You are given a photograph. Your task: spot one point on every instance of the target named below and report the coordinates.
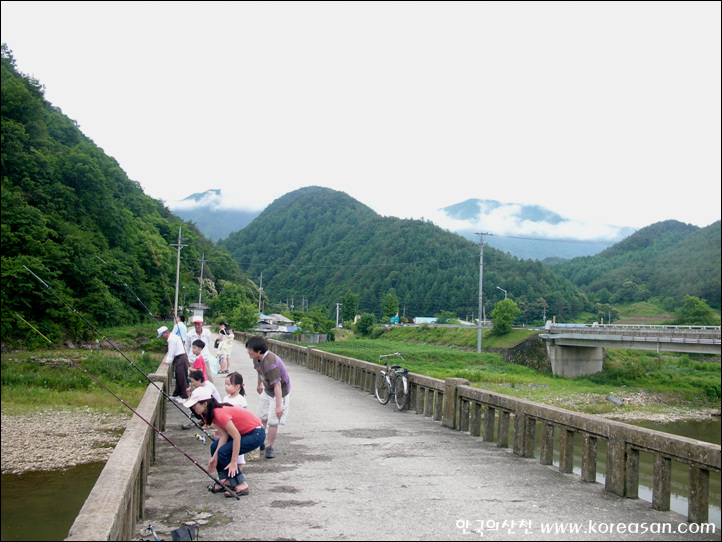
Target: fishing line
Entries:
(117, 350)
(77, 364)
(162, 277)
(129, 289)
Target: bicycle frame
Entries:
(388, 379)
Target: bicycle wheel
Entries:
(383, 388)
(401, 392)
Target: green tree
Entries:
(390, 305)
(503, 315)
(243, 316)
(365, 324)
(349, 306)
(695, 312)
(606, 313)
(314, 320)
(230, 297)
(446, 317)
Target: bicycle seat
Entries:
(396, 366)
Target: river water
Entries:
(43, 505)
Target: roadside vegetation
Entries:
(644, 381)
(45, 377)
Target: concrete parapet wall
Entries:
(116, 501)
(488, 415)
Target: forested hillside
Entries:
(318, 244)
(667, 261)
(65, 204)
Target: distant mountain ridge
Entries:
(530, 231)
(320, 244)
(217, 222)
(667, 261)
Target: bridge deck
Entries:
(348, 468)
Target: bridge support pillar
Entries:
(574, 361)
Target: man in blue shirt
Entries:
(180, 328)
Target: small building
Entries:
(280, 320)
(425, 320)
(199, 309)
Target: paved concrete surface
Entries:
(348, 468)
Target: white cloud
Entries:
(506, 219)
(214, 199)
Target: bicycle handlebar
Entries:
(390, 355)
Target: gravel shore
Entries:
(57, 439)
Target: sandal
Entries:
(214, 488)
(239, 492)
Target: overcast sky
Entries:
(602, 112)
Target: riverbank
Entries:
(52, 439)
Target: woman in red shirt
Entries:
(240, 431)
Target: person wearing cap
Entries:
(240, 431)
(194, 334)
(225, 345)
(177, 357)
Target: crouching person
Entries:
(240, 432)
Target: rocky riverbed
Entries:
(56, 439)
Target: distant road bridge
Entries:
(578, 349)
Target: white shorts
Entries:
(267, 409)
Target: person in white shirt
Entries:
(195, 333)
(177, 356)
(237, 396)
(198, 381)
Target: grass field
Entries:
(661, 380)
(46, 378)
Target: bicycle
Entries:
(392, 381)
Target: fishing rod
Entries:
(154, 428)
(119, 352)
(136, 296)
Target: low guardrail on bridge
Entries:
(488, 415)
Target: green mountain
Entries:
(318, 244)
(667, 261)
(66, 205)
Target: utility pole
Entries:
(177, 271)
(260, 290)
(200, 290)
(337, 308)
(481, 291)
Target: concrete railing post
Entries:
(450, 395)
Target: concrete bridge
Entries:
(450, 468)
(577, 349)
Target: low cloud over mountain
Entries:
(214, 214)
(510, 221)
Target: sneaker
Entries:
(263, 447)
(270, 454)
